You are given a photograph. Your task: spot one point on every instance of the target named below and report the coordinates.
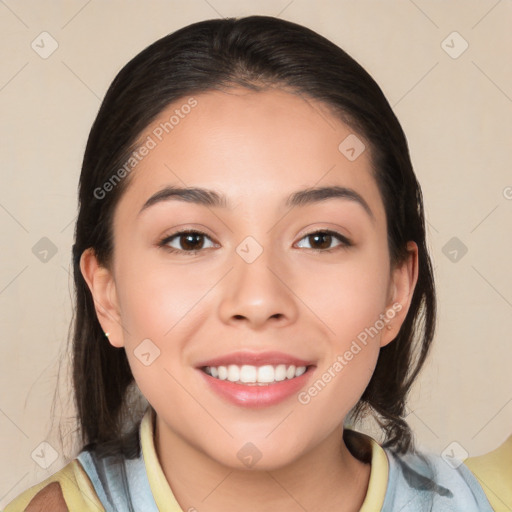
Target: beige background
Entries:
(455, 111)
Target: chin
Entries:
(263, 456)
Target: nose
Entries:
(258, 294)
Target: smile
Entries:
(255, 375)
(268, 385)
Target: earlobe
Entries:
(103, 290)
(402, 285)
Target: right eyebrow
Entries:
(319, 194)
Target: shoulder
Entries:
(49, 498)
(422, 480)
(67, 489)
(494, 473)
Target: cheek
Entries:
(155, 299)
(349, 300)
(349, 296)
(339, 382)
(163, 307)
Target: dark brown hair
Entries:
(256, 52)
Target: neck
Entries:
(326, 478)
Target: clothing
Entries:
(397, 482)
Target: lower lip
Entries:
(255, 395)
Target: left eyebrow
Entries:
(206, 197)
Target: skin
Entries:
(257, 148)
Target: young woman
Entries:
(250, 263)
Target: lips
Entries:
(261, 395)
(255, 359)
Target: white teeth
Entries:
(223, 372)
(266, 373)
(300, 370)
(249, 374)
(280, 372)
(233, 373)
(290, 373)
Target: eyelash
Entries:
(345, 242)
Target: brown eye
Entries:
(321, 241)
(185, 241)
(191, 241)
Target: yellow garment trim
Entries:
(494, 473)
(379, 474)
(77, 489)
(162, 493)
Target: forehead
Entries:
(250, 145)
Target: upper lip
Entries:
(255, 359)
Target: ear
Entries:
(402, 284)
(102, 285)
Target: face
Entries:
(257, 281)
